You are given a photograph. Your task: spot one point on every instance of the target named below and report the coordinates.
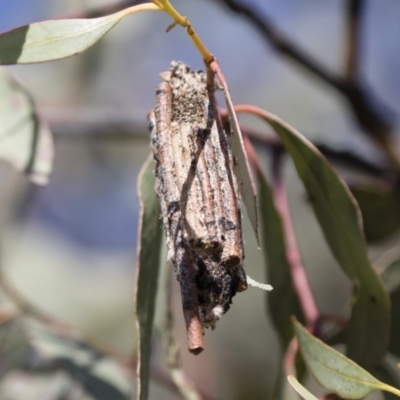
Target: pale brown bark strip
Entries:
(199, 199)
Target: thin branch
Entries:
(97, 123)
(299, 276)
(374, 117)
(351, 159)
(355, 9)
(346, 158)
(280, 43)
(104, 124)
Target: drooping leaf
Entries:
(380, 209)
(300, 389)
(241, 164)
(14, 345)
(31, 384)
(147, 271)
(52, 40)
(25, 140)
(95, 371)
(340, 220)
(334, 371)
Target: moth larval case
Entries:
(199, 198)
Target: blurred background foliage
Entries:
(69, 248)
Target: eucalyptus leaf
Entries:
(25, 140)
(340, 220)
(55, 39)
(241, 165)
(147, 272)
(334, 371)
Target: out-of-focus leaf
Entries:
(300, 389)
(282, 301)
(380, 209)
(25, 141)
(147, 271)
(241, 164)
(99, 375)
(340, 220)
(334, 371)
(55, 385)
(14, 345)
(52, 40)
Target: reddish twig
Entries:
(298, 272)
(299, 275)
(289, 359)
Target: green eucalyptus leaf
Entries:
(340, 220)
(300, 389)
(52, 40)
(334, 371)
(241, 165)
(147, 272)
(380, 209)
(25, 141)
